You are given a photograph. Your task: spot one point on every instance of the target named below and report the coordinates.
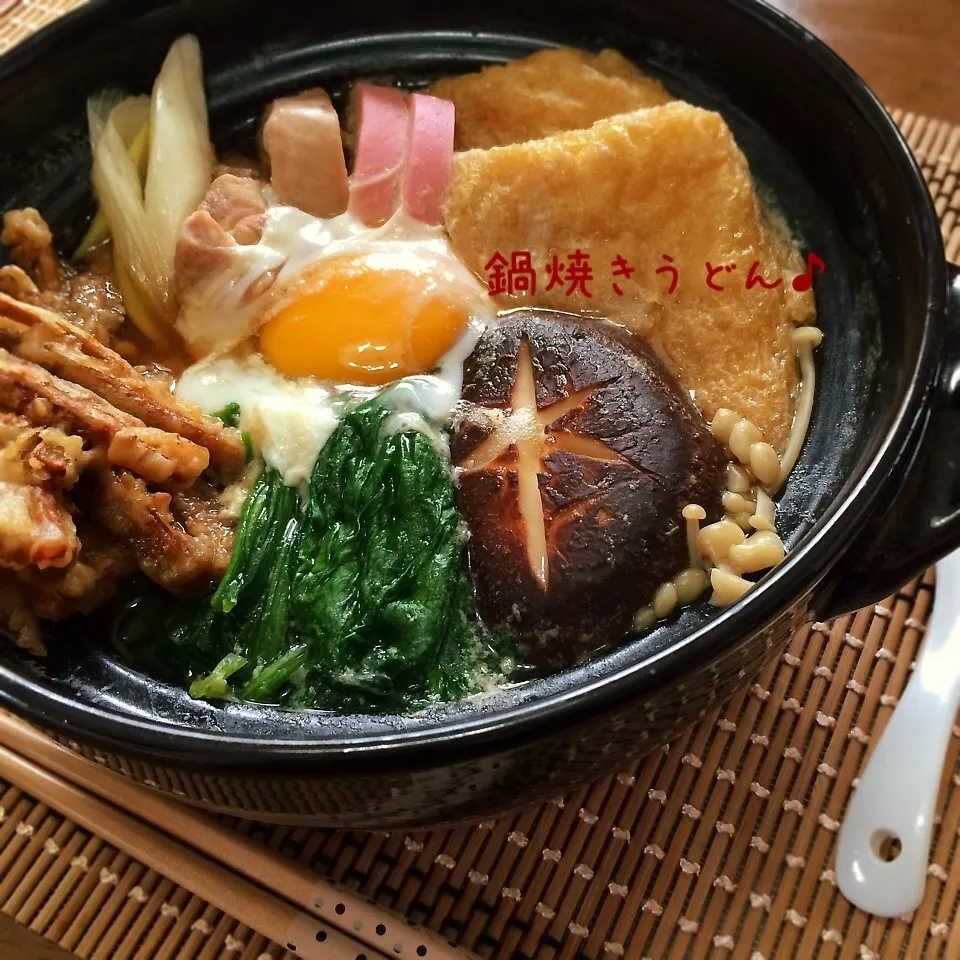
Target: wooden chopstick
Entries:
(261, 911)
(381, 932)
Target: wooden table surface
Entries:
(908, 51)
(19, 943)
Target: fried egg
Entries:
(338, 300)
(322, 314)
(287, 421)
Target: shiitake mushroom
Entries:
(576, 451)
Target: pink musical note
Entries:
(804, 281)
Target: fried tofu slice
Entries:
(671, 181)
(545, 93)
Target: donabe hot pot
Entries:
(873, 499)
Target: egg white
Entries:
(219, 311)
(289, 419)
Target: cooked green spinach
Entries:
(354, 600)
(230, 414)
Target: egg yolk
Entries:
(367, 320)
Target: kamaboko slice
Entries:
(380, 125)
(426, 174)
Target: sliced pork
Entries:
(177, 539)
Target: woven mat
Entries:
(719, 845)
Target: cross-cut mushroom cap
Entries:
(574, 505)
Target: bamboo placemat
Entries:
(719, 845)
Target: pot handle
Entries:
(924, 523)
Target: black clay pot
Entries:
(872, 501)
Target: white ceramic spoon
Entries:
(897, 794)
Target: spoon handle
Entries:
(896, 799)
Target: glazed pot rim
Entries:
(804, 567)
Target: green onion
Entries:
(214, 685)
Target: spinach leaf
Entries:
(267, 511)
(247, 445)
(230, 414)
(355, 600)
(243, 625)
(386, 604)
(214, 685)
